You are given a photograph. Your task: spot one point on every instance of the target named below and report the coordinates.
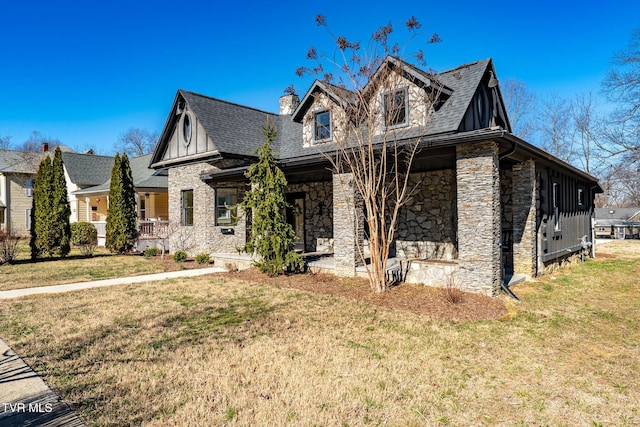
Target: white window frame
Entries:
(394, 92)
(28, 187)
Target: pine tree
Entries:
(42, 227)
(272, 238)
(60, 209)
(121, 218)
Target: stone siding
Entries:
(203, 235)
(348, 225)
(478, 206)
(524, 218)
(318, 215)
(427, 224)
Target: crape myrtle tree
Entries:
(122, 227)
(367, 150)
(271, 237)
(50, 212)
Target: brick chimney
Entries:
(289, 103)
(45, 147)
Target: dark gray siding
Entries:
(566, 209)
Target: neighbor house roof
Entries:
(617, 214)
(143, 177)
(19, 162)
(87, 170)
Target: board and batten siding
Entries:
(565, 214)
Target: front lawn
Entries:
(24, 273)
(219, 350)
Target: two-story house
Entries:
(487, 204)
(17, 175)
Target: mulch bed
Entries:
(418, 299)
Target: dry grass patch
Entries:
(218, 350)
(25, 273)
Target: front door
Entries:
(295, 217)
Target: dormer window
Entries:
(321, 126)
(396, 108)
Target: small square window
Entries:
(226, 201)
(396, 107)
(187, 207)
(321, 126)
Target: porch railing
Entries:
(152, 228)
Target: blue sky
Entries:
(86, 71)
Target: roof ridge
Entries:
(227, 102)
(469, 64)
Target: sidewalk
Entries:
(15, 293)
(25, 399)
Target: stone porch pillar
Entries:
(478, 203)
(524, 218)
(348, 225)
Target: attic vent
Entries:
(186, 129)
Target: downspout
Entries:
(503, 282)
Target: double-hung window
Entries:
(187, 207)
(226, 200)
(321, 126)
(396, 108)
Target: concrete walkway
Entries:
(15, 293)
(25, 399)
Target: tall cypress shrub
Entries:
(272, 238)
(122, 216)
(42, 227)
(60, 209)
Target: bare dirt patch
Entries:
(412, 298)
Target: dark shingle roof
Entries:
(234, 128)
(237, 130)
(86, 170)
(463, 82)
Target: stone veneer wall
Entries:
(525, 210)
(318, 215)
(203, 235)
(427, 224)
(478, 198)
(348, 225)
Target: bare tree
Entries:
(586, 124)
(622, 85)
(371, 161)
(137, 142)
(5, 142)
(35, 142)
(521, 106)
(554, 126)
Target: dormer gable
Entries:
(201, 128)
(486, 108)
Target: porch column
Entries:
(478, 203)
(524, 218)
(348, 225)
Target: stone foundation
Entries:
(431, 273)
